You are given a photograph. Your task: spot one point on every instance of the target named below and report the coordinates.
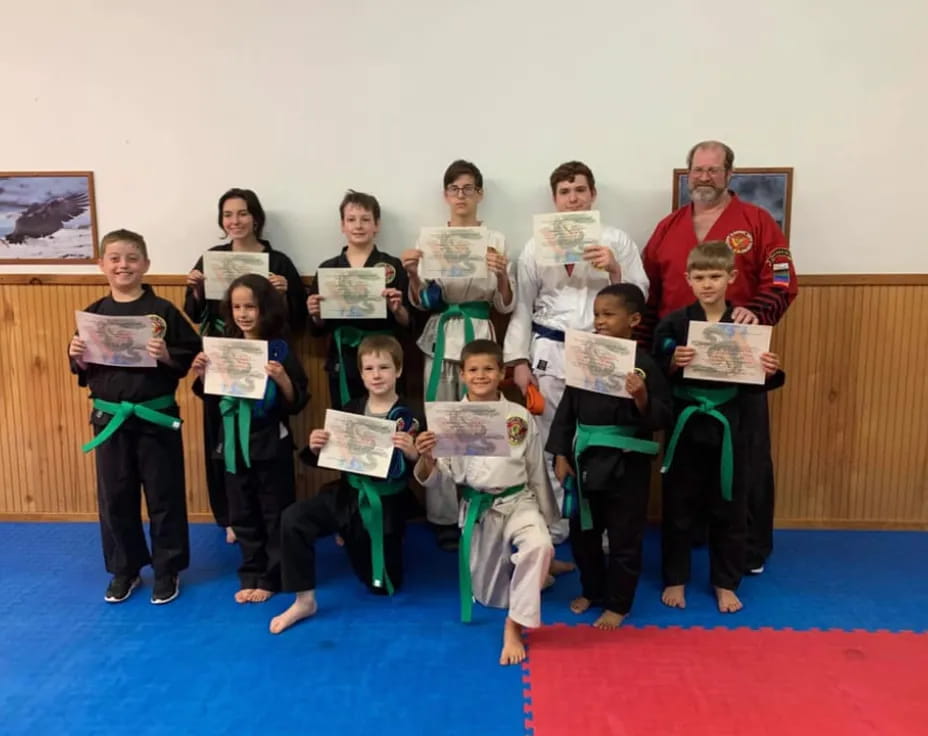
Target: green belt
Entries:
(708, 400)
(232, 407)
(466, 311)
(601, 435)
(370, 491)
(122, 410)
(478, 503)
(350, 336)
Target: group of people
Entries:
(579, 464)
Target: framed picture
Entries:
(770, 188)
(47, 217)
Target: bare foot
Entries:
(513, 649)
(303, 607)
(559, 567)
(230, 535)
(259, 595)
(548, 582)
(339, 541)
(580, 605)
(728, 601)
(673, 596)
(244, 595)
(609, 620)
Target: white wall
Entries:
(171, 102)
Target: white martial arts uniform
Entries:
(441, 502)
(500, 576)
(550, 297)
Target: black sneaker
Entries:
(121, 587)
(167, 588)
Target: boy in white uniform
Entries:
(460, 312)
(552, 299)
(507, 503)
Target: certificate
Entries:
(561, 237)
(352, 293)
(119, 341)
(597, 362)
(453, 252)
(468, 428)
(727, 352)
(236, 367)
(357, 444)
(221, 268)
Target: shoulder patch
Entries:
(740, 241)
(779, 255)
(390, 271)
(158, 326)
(516, 430)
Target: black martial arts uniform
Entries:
(342, 367)
(694, 486)
(260, 486)
(614, 481)
(337, 509)
(142, 454)
(206, 314)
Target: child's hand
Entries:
(636, 386)
(394, 299)
(562, 468)
(195, 281)
(497, 262)
(425, 443)
(278, 282)
(276, 371)
(404, 442)
(199, 365)
(683, 356)
(314, 305)
(158, 349)
(77, 348)
(770, 362)
(410, 258)
(318, 439)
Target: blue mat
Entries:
(70, 663)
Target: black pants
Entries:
(692, 490)
(132, 460)
(215, 468)
(612, 579)
(329, 513)
(257, 498)
(755, 423)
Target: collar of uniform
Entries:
(372, 260)
(695, 312)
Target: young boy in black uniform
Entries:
(372, 537)
(360, 215)
(704, 459)
(136, 425)
(603, 451)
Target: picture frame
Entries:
(767, 187)
(48, 217)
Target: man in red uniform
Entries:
(765, 287)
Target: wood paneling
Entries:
(850, 428)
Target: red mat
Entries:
(695, 682)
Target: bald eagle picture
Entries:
(46, 217)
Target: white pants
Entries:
(441, 501)
(502, 577)
(552, 388)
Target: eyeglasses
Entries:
(711, 171)
(468, 190)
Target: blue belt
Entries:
(548, 332)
